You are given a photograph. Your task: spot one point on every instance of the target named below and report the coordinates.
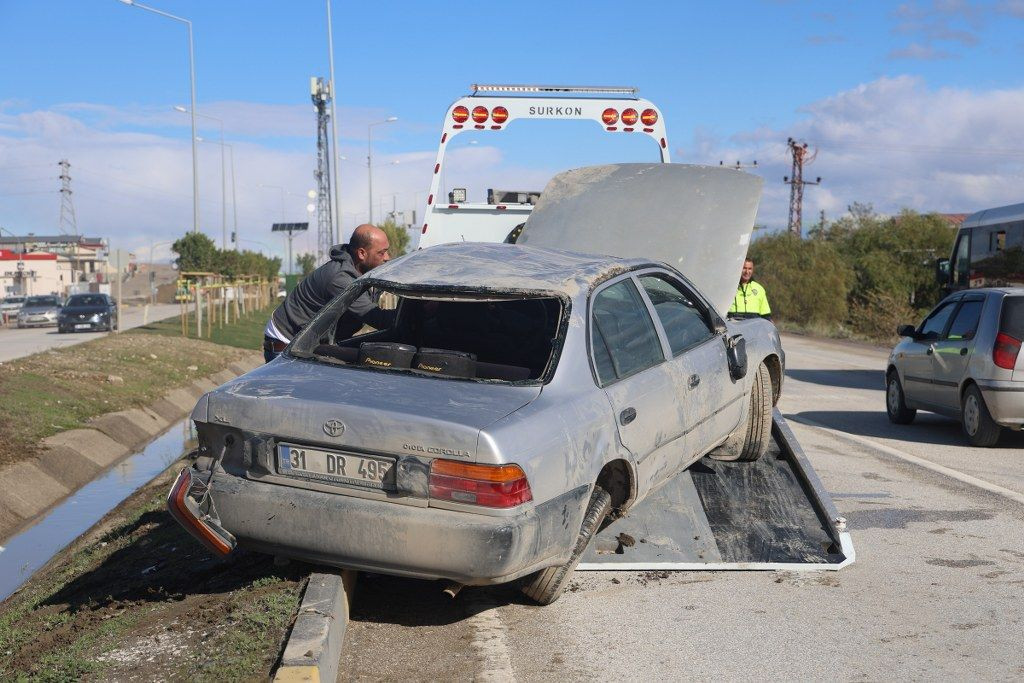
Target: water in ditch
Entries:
(25, 553)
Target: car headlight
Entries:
(95, 317)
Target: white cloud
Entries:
(894, 143)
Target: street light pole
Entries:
(192, 92)
(369, 160)
(223, 178)
(334, 132)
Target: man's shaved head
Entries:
(369, 247)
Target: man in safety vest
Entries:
(751, 300)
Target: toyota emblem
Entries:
(334, 428)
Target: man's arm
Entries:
(369, 313)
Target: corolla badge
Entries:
(334, 428)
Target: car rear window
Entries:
(1012, 320)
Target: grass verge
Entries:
(137, 598)
(244, 333)
(61, 389)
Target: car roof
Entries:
(1012, 291)
(502, 267)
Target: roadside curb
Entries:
(68, 460)
(312, 651)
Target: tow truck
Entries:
(773, 514)
(492, 108)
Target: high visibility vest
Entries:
(750, 298)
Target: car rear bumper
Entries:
(392, 538)
(1005, 402)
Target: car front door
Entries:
(630, 365)
(701, 368)
(952, 353)
(917, 356)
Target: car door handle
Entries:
(627, 416)
(694, 380)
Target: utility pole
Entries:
(325, 232)
(738, 165)
(67, 207)
(796, 184)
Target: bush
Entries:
(877, 315)
(807, 281)
(398, 237)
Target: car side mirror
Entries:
(736, 351)
(907, 331)
(942, 270)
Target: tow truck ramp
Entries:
(773, 514)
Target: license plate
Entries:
(82, 327)
(334, 467)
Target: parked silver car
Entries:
(963, 361)
(523, 395)
(39, 311)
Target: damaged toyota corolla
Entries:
(525, 393)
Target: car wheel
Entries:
(547, 585)
(895, 405)
(978, 424)
(750, 440)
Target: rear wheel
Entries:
(750, 440)
(895, 403)
(978, 424)
(548, 584)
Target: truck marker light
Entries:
(1004, 353)
(499, 115)
(610, 116)
(630, 117)
(480, 114)
(497, 486)
(649, 117)
(460, 114)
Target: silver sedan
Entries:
(963, 361)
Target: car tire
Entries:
(895, 402)
(545, 586)
(751, 438)
(980, 428)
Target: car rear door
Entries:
(700, 366)
(951, 354)
(630, 365)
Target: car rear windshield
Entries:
(42, 301)
(483, 337)
(87, 300)
(1012, 321)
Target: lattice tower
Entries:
(68, 223)
(321, 94)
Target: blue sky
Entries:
(910, 104)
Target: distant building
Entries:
(55, 264)
(955, 220)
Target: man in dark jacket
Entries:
(366, 249)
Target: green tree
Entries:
(196, 252)
(306, 263)
(806, 280)
(398, 237)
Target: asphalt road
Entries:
(935, 591)
(15, 343)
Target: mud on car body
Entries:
(523, 395)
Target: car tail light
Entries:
(460, 114)
(499, 115)
(649, 117)
(1004, 353)
(610, 116)
(188, 512)
(629, 117)
(479, 114)
(494, 486)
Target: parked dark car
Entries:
(88, 312)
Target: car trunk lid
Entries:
(381, 411)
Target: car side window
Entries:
(934, 325)
(622, 333)
(684, 323)
(965, 323)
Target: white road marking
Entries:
(922, 462)
(489, 642)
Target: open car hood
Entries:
(695, 218)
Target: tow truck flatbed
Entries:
(773, 514)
